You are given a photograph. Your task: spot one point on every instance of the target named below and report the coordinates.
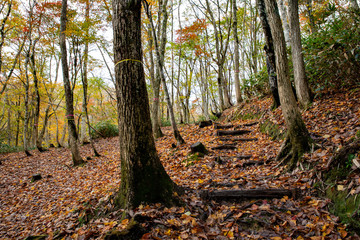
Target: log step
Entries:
(231, 133)
(223, 126)
(249, 193)
(238, 139)
(225, 146)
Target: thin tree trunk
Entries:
(9, 138)
(236, 49)
(73, 136)
(301, 83)
(296, 130)
(160, 66)
(270, 54)
(143, 178)
(27, 114)
(157, 79)
(283, 15)
(311, 16)
(40, 137)
(354, 5)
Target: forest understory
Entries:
(76, 203)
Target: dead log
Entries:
(231, 133)
(223, 126)
(203, 124)
(225, 146)
(249, 194)
(239, 139)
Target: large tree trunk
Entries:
(143, 178)
(73, 136)
(296, 129)
(236, 49)
(301, 83)
(270, 54)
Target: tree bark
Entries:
(296, 129)
(270, 54)
(301, 83)
(73, 136)
(143, 178)
(236, 49)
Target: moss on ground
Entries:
(272, 129)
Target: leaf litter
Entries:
(75, 203)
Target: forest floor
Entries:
(73, 203)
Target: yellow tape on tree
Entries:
(126, 60)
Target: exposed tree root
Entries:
(290, 154)
(342, 155)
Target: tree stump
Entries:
(198, 148)
(203, 124)
(36, 177)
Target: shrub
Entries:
(165, 122)
(332, 54)
(105, 129)
(5, 148)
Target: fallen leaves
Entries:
(63, 203)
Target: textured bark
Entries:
(296, 129)
(143, 178)
(301, 83)
(236, 50)
(270, 54)
(73, 136)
